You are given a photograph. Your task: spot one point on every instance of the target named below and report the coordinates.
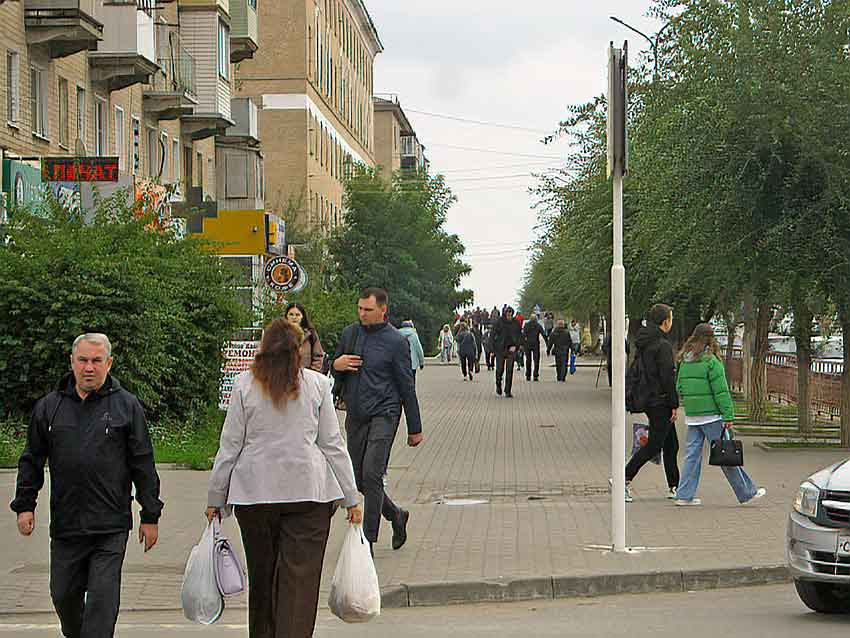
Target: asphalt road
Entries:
(763, 611)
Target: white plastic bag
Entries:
(355, 594)
(202, 601)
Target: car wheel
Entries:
(824, 598)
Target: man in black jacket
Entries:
(93, 432)
(661, 399)
(560, 343)
(532, 331)
(507, 338)
(372, 362)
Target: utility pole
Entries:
(618, 166)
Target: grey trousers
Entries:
(369, 444)
(85, 583)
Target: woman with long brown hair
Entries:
(282, 465)
(709, 412)
(312, 353)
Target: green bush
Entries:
(167, 304)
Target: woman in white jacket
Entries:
(283, 466)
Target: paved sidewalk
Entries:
(538, 462)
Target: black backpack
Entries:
(637, 385)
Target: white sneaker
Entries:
(672, 493)
(683, 503)
(629, 497)
(760, 493)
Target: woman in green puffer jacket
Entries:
(709, 413)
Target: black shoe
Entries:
(498, 389)
(470, 376)
(528, 378)
(508, 395)
(400, 530)
(536, 379)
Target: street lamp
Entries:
(653, 42)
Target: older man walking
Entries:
(372, 362)
(93, 433)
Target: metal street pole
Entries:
(617, 168)
(653, 42)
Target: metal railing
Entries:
(176, 74)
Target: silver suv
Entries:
(818, 542)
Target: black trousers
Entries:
(532, 354)
(561, 363)
(662, 438)
(505, 368)
(85, 583)
(467, 364)
(369, 444)
(284, 551)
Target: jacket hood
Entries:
(68, 382)
(407, 330)
(648, 334)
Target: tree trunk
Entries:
(747, 345)
(758, 380)
(803, 341)
(593, 322)
(844, 317)
(731, 325)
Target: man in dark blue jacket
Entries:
(93, 432)
(372, 362)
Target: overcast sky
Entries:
(504, 62)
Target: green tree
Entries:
(167, 304)
(394, 236)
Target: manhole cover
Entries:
(462, 501)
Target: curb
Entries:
(499, 590)
(558, 587)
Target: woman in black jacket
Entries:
(507, 337)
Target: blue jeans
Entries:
(739, 480)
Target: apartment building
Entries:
(314, 85)
(148, 81)
(396, 144)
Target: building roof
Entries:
(368, 25)
(391, 103)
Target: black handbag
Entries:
(726, 452)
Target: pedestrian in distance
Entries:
(575, 337)
(532, 332)
(417, 354)
(447, 343)
(475, 329)
(282, 465)
(93, 434)
(606, 350)
(548, 323)
(709, 413)
(487, 343)
(660, 401)
(560, 344)
(507, 338)
(466, 351)
(312, 353)
(372, 364)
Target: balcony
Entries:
(127, 54)
(64, 26)
(171, 92)
(245, 131)
(244, 38)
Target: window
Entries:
(119, 148)
(223, 50)
(63, 112)
(199, 161)
(175, 160)
(137, 151)
(81, 114)
(100, 136)
(13, 87)
(38, 101)
(153, 156)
